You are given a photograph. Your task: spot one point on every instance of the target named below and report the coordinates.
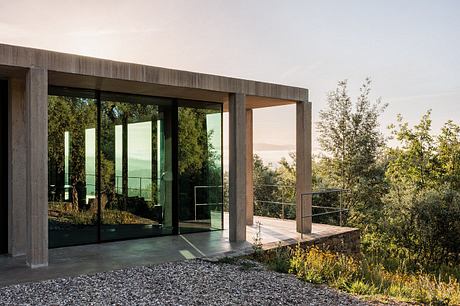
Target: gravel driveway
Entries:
(194, 282)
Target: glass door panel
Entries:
(72, 205)
(200, 166)
(136, 174)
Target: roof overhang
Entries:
(76, 71)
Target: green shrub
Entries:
(279, 261)
(362, 288)
(317, 266)
(364, 276)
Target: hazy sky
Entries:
(411, 49)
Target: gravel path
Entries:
(194, 282)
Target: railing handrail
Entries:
(321, 191)
(275, 185)
(311, 193)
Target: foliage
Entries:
(422, 207)
(73, 115)
(405, 199)
(272, 187)
(58, 214)
(257, 241)
(280, 260)
(317, 266)
(350, 138)
(363, 277)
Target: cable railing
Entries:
(140, 186)
(280, 195)
(206, 187)
(285, 197)
(332, 209)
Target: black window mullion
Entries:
(99, 170)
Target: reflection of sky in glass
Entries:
(140, 141)
(90, 163)
(118, 150)
(139, 158)
(66, 157)
(213, 125)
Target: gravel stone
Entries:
(193, 282)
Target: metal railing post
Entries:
(340, 213)
(282, 205)
(194, 199)
(140, 187)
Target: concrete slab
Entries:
(88, 259)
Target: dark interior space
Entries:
(4, 167)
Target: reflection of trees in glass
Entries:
(122, 115)
(196, 151)
(135, 189)
(200, 161)
(73, 115)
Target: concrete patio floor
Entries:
(87, 259)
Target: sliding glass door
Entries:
(136, 169)
(125, 166)
(72, 206)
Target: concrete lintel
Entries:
(237, 167)
(249, 168)
(303, 167)
(37, 167)
(16, 170)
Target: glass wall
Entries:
(136, 169)
(200, 166)
(72, 209)
(124, 166)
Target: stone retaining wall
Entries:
(347, 243)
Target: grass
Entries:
(361, 277)
(58, 213)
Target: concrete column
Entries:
(303, 166)
(237, 167)
(249, 169)
(37, 167)
(16, 170)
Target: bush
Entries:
(317, 266)
(279, 260)
(364, 277)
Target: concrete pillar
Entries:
(303, 166)
(237, 167)
(249, 169)
(16, 170)
(37, 167)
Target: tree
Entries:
(416, 157)
(351, 141)
(422, 207)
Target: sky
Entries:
(410, 49)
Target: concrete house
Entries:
(100, 150)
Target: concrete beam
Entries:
(237, 167)
(303, 167)
(249, 168)
(16, 171)
(37, 167)
(74, 65)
